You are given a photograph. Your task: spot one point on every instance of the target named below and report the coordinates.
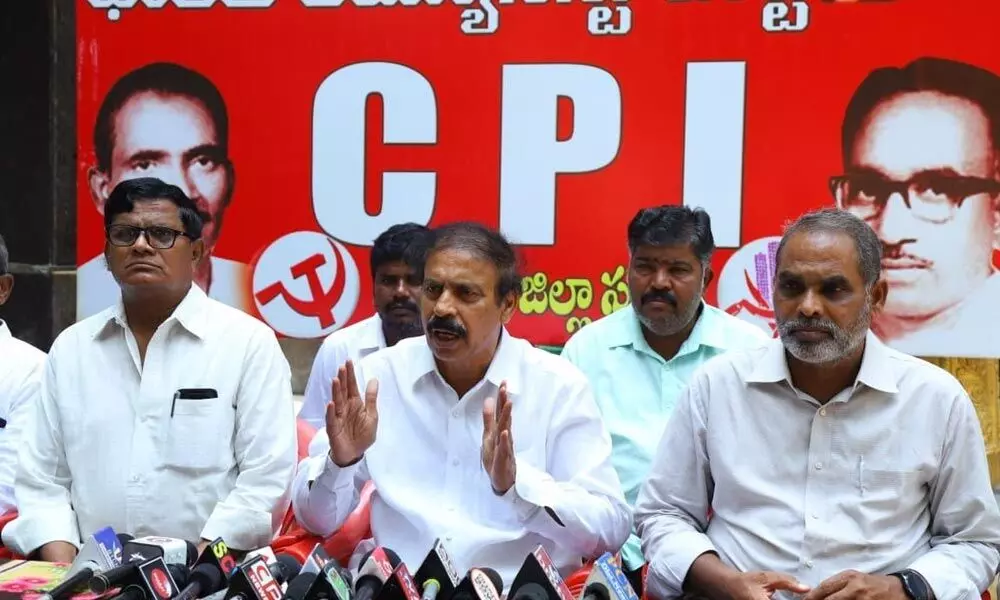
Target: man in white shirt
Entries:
(397, 269)
(640, 358)
(484, 441)
(167, 414)
(834, 467)
(20, 374)
(166, 121)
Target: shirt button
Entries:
(822, 412)
(454, 463)
(135, 479)
(809, 564)
(819, 466)
(815, 516)
(454, 414)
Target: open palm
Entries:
(351, 423)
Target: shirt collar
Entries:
(706, 331)
(190, 314)
(5, 331)
(372, 337)
(876, 366)
(505, 365)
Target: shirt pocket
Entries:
(886, 490)
(200, 435)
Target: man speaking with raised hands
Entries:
(469, 434)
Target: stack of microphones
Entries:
(160, 568)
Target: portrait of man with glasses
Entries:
(920, 153)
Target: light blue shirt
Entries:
(636, 389)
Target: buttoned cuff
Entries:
(329, 476)
(240, 527)
(670, 565)
(33, 529)
(944, 579)
(529, 494)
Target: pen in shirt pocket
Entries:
(191, 394)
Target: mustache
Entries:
(446, 325)
(662, 295)
(406, 304)
(794, 325)
(895, 251)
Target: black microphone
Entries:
(376, 568)
(331, 582)
(156, 580)
(126, 573)
(539, 579)
(437, 576)
(480, 583)
(253, 580)
(210, 572)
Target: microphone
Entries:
(210, 572)
(376, 568)
(102, 550)
(154, 580)
(172, 550)
(136, 552)
(437, 576)
(254, 580)
(399, 586)
(607, 581)
(331, 583)
(481, 583)
(538, 579)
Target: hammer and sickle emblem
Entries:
(322, 301)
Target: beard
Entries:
(840, 343)
(669, 324)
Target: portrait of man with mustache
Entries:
(920, 157)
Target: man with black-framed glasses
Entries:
(920, 151)
(167, 414)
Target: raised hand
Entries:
(350, 422)
(498, 445)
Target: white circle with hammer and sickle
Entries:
(306, 285)
(745, 284)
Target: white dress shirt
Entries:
(890, 474)
(21, 367)
(111, 446)
(429, 479)
(96, 288)
(354, 342)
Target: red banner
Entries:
(553, 120)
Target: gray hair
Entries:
(832, 220)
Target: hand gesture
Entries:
(853, 584)
(498, 445)
(761, 585)
(351, 423)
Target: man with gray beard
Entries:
(640, 358)
(832, 466)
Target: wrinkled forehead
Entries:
(813, 256)
(146, 213)
(454, 267)
(918, 131)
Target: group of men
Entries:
(719, 462)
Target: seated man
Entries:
(484, 441)
(20, 376)
(835, 467)
(167, 414)
(397, 266)
(640, 358)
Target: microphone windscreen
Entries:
(289, 566)
(299, 587)
(180, 574)
(392, 556)
(125, 538)
(192, 553)
(494, 578)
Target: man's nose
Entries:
(811, 305)
(661, 280)
(896, 223)
(445, 305)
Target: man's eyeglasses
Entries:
(932, 197)
(161, 238)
